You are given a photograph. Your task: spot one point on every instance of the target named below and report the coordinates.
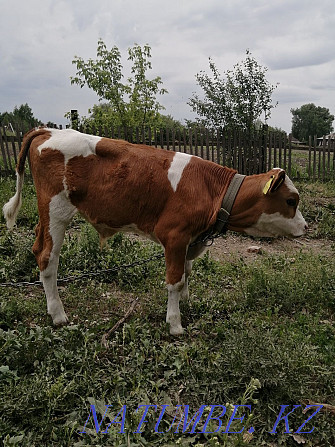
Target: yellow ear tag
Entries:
(268, 185)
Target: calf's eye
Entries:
(291, 202)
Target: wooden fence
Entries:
(249, 154)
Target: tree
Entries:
(132, 103)
(22, 118)
(236, 100)
(101, 115)
(311, 120)
(168, 122)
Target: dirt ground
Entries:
(236, 247)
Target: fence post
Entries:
(328, 156)
(255, 148)
(324, 158)
(314, 158)
(196, 142)
(173, 140)
(184, 140)
(207, 147)
(270, 151)
(319, 159)
(3, 152)
(285, 151)
(7, 150)
(289, 165)
(179, 139)
(309, 157)
(218, 149)
(264, 148)
(280, 152)
(275, 139)
(74, 119)
(229, 149)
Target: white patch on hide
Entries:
(288, 182)
(61, 212)
(272, 225)
(290, 186)
(179, 163)
(70, 143)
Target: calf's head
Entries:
(267, 206)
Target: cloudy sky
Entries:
(294, 39)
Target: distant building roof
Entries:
(329, 136)
(295, 140)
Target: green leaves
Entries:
(21, 117)
(311, 120)
(236, 100)
(131, 103)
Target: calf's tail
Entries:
(12, 207)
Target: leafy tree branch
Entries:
(237, 99)
(134, 102)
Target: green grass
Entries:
(259, 333)
(305, 166)
(318, 208)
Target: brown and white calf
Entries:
(170, 197)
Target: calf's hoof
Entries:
(60, 320)
(176, 330)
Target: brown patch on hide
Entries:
(48, 172)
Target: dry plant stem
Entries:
(325, 407)
(118, 324)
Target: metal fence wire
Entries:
(86, 275)
(206, 239)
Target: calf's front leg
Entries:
(173, 312)
(175, 256)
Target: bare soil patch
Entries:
(235, 247)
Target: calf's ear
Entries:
(277, 178)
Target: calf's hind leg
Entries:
(50, 233)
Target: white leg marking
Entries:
(173, 312)
(54, 303)
(61, 212)
(179, 163)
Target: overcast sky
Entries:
(294, 39)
